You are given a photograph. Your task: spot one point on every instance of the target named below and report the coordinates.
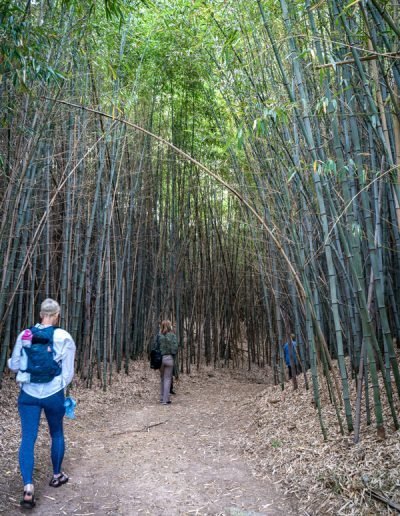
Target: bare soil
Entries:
(127, 454)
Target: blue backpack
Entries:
(41, 364)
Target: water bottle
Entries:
(70, 405)
(22, 376)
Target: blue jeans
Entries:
(30, 409)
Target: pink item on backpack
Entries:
(27, 338)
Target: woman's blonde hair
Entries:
(166, 326)
(49, 307)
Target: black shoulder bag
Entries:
(155, 355)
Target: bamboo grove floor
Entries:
(230, 444)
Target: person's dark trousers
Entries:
(297, 370)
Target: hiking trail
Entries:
(134, 456)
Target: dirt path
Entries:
(180, 459)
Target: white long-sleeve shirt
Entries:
(64, 348)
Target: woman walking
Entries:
(168, 347)
(43, 357)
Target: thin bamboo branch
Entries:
(389, 55)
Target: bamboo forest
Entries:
(231, 166)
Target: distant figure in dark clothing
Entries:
(289, 350)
